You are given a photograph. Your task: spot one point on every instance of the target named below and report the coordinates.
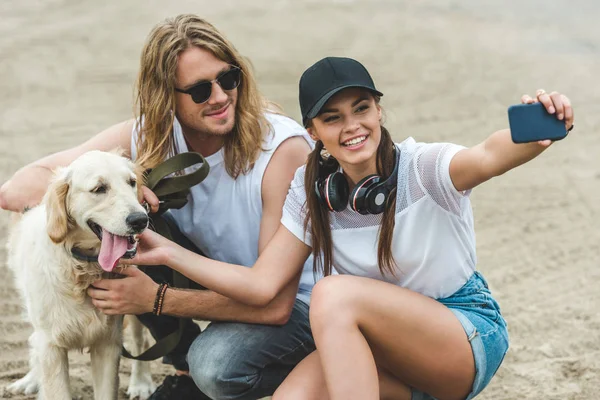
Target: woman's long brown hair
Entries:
(317, 217)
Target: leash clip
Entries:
(146, 206)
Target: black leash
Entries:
(172, 192)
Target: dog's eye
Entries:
(99, 189)
(132, 182)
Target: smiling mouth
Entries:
(113, 247)
(355, 141)
(219, 111)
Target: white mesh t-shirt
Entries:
(433, 243)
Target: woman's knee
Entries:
(332, 301)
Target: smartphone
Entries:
(531, 123)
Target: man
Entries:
(196, 93)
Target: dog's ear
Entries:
(138, 170)
(58, 221)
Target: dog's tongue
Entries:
(111, 250)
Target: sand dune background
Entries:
(449, 70)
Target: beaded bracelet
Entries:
(159, 300)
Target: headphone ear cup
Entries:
(376, 199)
(371, 194)
(336, 189)
(319, 191)
(358, 195)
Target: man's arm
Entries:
(211, 306)
(136, 292)
(29, 184)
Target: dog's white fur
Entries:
(53, 283)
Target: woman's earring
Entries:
(325, 154)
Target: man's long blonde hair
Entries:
(155, 94)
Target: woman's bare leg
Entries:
(359, 323)
(307, 382)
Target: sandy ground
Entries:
(449, 70)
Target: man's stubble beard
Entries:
(203, 133)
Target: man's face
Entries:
(216, 116)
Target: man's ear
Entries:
(57, 218)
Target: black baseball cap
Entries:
(327, 77)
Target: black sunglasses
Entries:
(201, 91)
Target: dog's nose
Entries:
(137, 221)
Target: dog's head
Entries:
(95, 202)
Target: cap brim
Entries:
(319, 105)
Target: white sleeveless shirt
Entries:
(222, 216)
(433, 242)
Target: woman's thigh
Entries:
(415, 338)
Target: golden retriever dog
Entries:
(88, 220)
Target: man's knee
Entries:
(220, 374)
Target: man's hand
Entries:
(133, 294)
(17, 195)
(150, 198)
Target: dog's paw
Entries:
(27, 385)
(141, 387)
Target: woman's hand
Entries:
(152, 249)
(555, 103)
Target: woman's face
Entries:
(349, 127)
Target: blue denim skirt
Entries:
(485, 328)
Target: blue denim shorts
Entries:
(486, 330)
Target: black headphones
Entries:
(369, 196)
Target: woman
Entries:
(408, 316)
